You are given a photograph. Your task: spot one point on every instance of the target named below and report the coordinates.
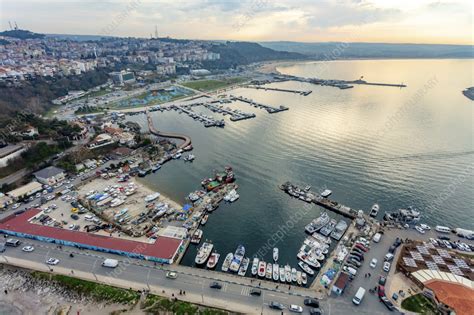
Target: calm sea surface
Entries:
(397, 147)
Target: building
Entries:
(9, 153)
(200, 72)
(50, 175)
(340, 283)
(122, 77)
(25, 191)
(5, 201)
(101, 140)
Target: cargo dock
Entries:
(268, 108)
(258, 87)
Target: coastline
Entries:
(163, 197)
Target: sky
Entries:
(388, 21)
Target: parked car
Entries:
(392, 249)
(276, 305)
(361, 256)
(419, 229)
(74, 216)
(373, 262)
(12, 242)
(381, 290)
(311, 302)
(387, 303)
(355, 262)
(425, 226)
(388, 257)
(295, 308)
(382, 280)
(386, 266)
(315, 311)
(216, 285)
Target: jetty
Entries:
(186, 140)
(259, 87)
(235, 115)
(268, 108)
(206, 120)
(309, 196)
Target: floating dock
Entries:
(235, 115)
(258, 87)
(268, 108)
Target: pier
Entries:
(186, 139)
(341, 84)
(235, 115)
(206, 120)
(309, 196)
(258, 87)
(268, 108)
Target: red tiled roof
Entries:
(164, 247)
(457, 296)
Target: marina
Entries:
(265, 88)
(268, 108)
(341, 84)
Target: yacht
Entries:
(282, 273)
(262, 267)
(152, 197)
(268, 273)
(189, 158)
(304, 278)
(321, 239)
(244, 266)
(238, 257)
(232, 196)
(255, 266)
(288, 273)
(203, 253)
(409, 215)
(326, 193)
(293, 274)
(318, 223)
(306, 268)
(204, 219)
(298, 278)
(177, 156)
(275, 254)
(339, 230)
(213, 260)
(227, 261)
(196, 238)
(328, 228)
(374, 211)
(276, 272)
(155, 168)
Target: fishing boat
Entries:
(326, 193)
(189, 158)
(268, 273)
(204, 219)
(227, 261)
(321, 239)
(339, 230)
(275, 254)
(244, 266)
(203, 253)
(293, 274)
(262, 267)
(374, 210)
(306, 268)
(196, 238)
(213, 260)
(328, 228)
(231, 196)
(255, 266)
(238, 257)
(282, 273)
(298, 278)
(318, 223)
(288, 273)
(304, 278)
(152, 197)
(309, 259)
(276, 272)
(155, 168)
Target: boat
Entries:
(374, 211)
(177, 156)
(287, 273)
(268, 273)
(196, 238)
(282, 273)
(262, 267)
(326, 193)
(244, 266)
(293, 274)
(255, 266)
(306, 268)
(318, 223)
(227, 261)
(310, 260)
(298, 278)
(410, 215)
(231, 196)
(328, 228)
(152, 197)
(304, 278)
(193, 197)
(238, 257)
(307, 188)
(213, 260)
(189, 158)
(155, 168)
(276, 272)
(275, 254)
(321, 239)
(203, 253)
(339, 230)
(204, 219)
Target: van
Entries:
(358, 296)
(442, 229)
(12, 242)
(388, 257)
(110, 263)
(377, 237)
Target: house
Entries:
(340, 283)
(50, 175)
(26, 190)
(101, 140)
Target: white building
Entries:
(50, 175)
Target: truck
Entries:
(465, 233)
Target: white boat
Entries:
(238, 257)
(288, 273)
(306, 268)
(293, 274)
(227, 262)
(255, 266)
(276, 272)
(275, 254)
(282, 274)
(213, 260)
(317, 223)
(328, 228)
(152, 197)
(374, 210)
(268, 273)
(262, 267)
(177, 156)
(244, 266)
(321, 239)
(204, 219)
(189, 158)
(203, 253)
(326, 193)
(298, 278)
(196, 238)
(231, 196)
(304, 278)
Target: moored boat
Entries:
(238, 257)
(293, 274)
(227, 262)
(203, 253)
(204, 219)
(298, 278)
(328, 228)
(374, 210)
(213, 260)
(282, 274)
(196, 238)
(306, 268)
(304, 278)
(339, 230)
(287, 273)
(268, 272)
(317, 223)
(276, 272)
(255, 266)
(262, 267)
(275, 254)
(326, 193)
(244, 266)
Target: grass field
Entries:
(419, 304)
(208, 85)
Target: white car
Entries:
(386, 266)
(28, 249)
(425, 227)
(373, 262)
(295, 308)
(420, 229)
(49, 197)
(16, 205)
(52, 261)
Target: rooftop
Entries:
(48, 172)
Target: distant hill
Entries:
(21, 34)
(78, 38)
(242, 53)
(338, 50)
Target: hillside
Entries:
(21, 34)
